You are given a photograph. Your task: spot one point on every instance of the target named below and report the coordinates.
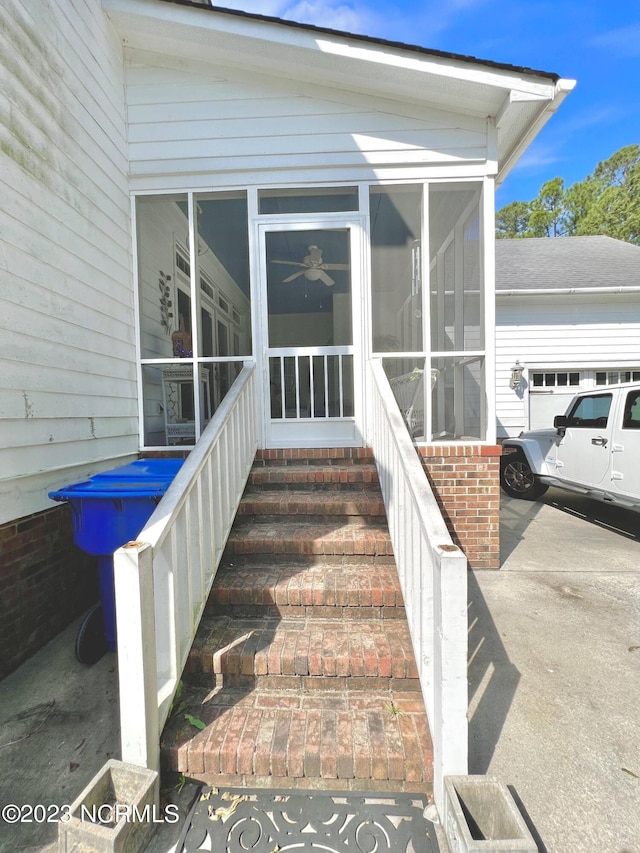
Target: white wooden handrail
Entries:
(162, 581)
(433, 578)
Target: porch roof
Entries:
(518, 100)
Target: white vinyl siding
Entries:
(188, 122)
(67, 353)
(580, 332)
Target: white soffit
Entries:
(519, 101)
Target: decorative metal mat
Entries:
(241, 820)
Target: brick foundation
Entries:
(45, 583)
(465, 481)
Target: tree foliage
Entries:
(606, 202)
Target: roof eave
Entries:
(547, 108)
(371, 40)
(516, 101)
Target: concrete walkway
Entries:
(59, 723)
(554, 691)
(554, 688)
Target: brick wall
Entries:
(45, 583)
(465, 481)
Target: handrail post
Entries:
(450, 747)
(137, 672)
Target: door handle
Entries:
(600, 441)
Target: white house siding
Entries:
(67, 347)
(200, 125)
(575, 332)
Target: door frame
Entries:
(316, 432)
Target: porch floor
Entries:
(302, 670)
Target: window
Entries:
(555, 380)
(206, 288)
(615, 377)
(631, 418)
(590, 411)
(182, 263)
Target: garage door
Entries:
(550, 392)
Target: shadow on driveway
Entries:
(625, 522)
(493, 681)
(551, 532)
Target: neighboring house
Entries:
(568, 311)
(185, 189)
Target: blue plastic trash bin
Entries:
(108, 510)
(154, 469)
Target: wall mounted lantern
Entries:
(516, 376)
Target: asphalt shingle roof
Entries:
(559, 263)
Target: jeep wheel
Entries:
(518, 480)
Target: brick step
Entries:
(245, 652)
(313, 506)
(316, 456)
(302, 670)
(307, 476)
(351, 740)
(309, 540)
(359, 591)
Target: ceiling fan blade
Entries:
(326, 279)
(294, 276)
(335, 266)
(290, 263)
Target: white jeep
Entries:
(593, 449)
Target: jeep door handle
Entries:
(600, 441)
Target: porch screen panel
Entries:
(308, 200)
(223, 292)
(396, 281)
(162, 224)
(194, 310)
(456, 285)
(407, 379)
(165, 330)
(472, 281)
(458, 399)
(456, 312)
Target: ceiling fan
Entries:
(313, 267)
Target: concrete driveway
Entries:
(554, 646)
(554, 687)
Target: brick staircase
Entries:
(302, 669)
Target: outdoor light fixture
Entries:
(516, 375)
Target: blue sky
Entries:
(596, 42)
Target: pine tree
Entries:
(606, 202)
